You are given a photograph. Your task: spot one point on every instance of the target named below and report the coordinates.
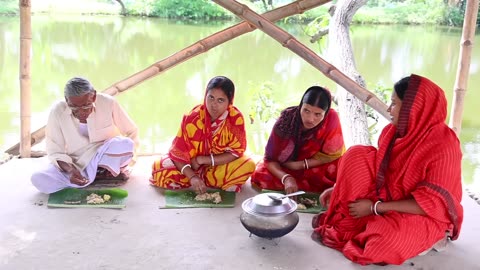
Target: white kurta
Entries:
(86, 147)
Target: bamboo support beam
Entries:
(308, 55)
(208, 43)
(463, 68)
(36, 137)
(25, 84)
(195, 49)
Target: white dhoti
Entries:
(114, 154)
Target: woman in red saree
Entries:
(208, 149)
(304, 146)
(392, 203)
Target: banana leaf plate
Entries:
(77, 198)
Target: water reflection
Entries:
(108, 49)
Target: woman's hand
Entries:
(325, 197)
(294, 165)
(360, 208)
(198, 185)
(290, 185)
(195, 162)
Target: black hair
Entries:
(401, 86)
(319, 97)
(224, 83)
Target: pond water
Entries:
(109, 49)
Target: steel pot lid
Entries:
(261, 204)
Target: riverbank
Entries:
(434, 12)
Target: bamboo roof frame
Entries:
(264, 23)
(185, 54)
(287, 40)
(210, 42)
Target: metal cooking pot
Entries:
(269, 218)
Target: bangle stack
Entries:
(213, 160)
(305, 164)
(183, 168)
(284, 177)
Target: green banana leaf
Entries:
(186, 199)
(310, 195)
(76, 198)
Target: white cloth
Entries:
(65, 142)
(83, 129)
(113, 154)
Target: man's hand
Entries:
(77, 178)
(198, 185)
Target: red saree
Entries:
(420, 159)
(198, 137)
(324, 142)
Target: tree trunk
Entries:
(352, 111)
(288, 41)
(124, 10)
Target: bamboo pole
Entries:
(208, 43)
(36, 137)
(461, 80)
(25, 85)
(308, 55)
(195, 49)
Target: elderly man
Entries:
(88, 132)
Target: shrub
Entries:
(191, 9)
(8, 7)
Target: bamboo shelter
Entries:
(208, 43)
(185, 54)
(304, 52)
(252, 21)
(25, 84)
(466, 46)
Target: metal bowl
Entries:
(267, 218)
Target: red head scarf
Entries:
(421, 156)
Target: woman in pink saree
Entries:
(304, 146)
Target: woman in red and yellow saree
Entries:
(304, 146)
(392, 203)
(208, 149)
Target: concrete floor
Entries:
(142, 236)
